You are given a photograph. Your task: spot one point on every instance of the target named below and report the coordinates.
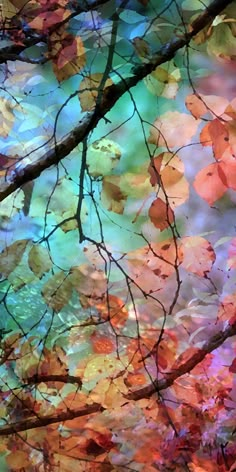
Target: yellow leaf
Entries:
(89, 89)
(7, 11)
(17, 460)
(103, 156)
(11, 256)
(39, 260)
(57, 291)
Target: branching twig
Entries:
(214, 342)
(110, 97)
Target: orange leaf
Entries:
(210, 183)
(160, 214)
(199, 255)
(199, 105)
(113, 309)
(219, 136)
(102, 344)
(17, 460)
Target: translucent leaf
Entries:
(67, 60)
(113, 309)
(102, 157)
(89, 89)
(7, 116)
(160, 214)
(18, 460)
(231, 261)
(88, 281)
(11, 256)
(48, 18)
(173, 129)
(111, 196)
(57, 291)
(102, 366)
(163, 81)
(198, 255)
(202, 104)
(39, 260)
(102, 344)
(210, 183)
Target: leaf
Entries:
(67, 53)
(231, 261)
(57, 291)
(160, 214)
(102, 344)
(11, 256)
(102, 366)
(113, 309)
(88, 281)
(219, 137)
(163, 81)
(141, 47)
(198, 255)
(232, 367)
(173, 129)
(18, 460)
(166, 172)
(111, 196)
(7, 116)
(102, 157)
(45, 20)
(199, 105)
(8, 10)
(222, 42)
(210, 183)
(89, 90)
(135, 185)
(39, 260)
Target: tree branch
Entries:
(111, 95)
(214, 342)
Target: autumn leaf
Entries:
(7, 117)
(211, 183)
(160, 214)
(199, 105)
(11, 256)
(164, 81)
(17, 460)
(198, 255)
(102, 344)
(112, 197)
(67, 53)
(113, 309)
(231, 261)
(57, 291)
(89, 90)
(46, 19)
(39, 260)
(88, 281)
(102, 157)
(173, 129)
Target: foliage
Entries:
(117, 236)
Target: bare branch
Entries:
(111, 95)
(214, 342)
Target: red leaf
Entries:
(232, 368)
(219, 137)
(161, 215)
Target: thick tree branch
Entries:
(110, 97)
(214, 342)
